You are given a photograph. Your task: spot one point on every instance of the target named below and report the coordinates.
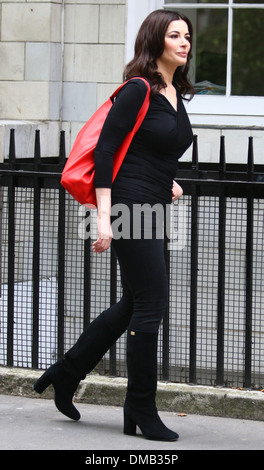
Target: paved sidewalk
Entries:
(171, 397)
(35, 424)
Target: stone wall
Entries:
(59, 61)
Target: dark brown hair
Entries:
(149, 46)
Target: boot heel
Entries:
(42, 383)
(129, 425)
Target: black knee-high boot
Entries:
(81, 359)
(64, 388)
(140, 407)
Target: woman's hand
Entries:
(105, 234)
(177, 191)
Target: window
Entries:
(227, 64)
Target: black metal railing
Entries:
(53, 285)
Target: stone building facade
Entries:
(59, 61)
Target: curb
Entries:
(171, 397)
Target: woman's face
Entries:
(177, 45)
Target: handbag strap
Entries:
(124, 83)
(140, 117)
(145, 105)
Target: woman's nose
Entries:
(185, 43)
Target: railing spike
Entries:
(12, 146)
(37, 153)
(222, 162)
(195, 154)
(250, 162)
(62, 154)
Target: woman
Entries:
(146, 177)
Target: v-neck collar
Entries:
(172, 107)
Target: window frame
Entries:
(229, 104)
(246, 110)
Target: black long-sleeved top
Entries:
(148, 170)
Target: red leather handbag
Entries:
(78, 174)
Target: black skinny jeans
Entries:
(141, 307)
(145, 287)
(142, 265)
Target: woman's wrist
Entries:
(103, 197)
